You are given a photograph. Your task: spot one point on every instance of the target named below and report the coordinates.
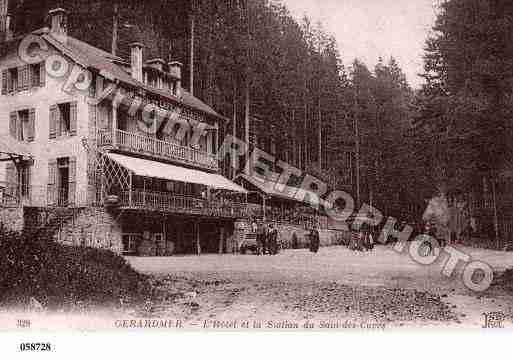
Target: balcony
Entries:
(169, 203)
(148, 146)
(15, 195)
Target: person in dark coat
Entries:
(265, 238)
(314, 240)
(273, 240)
(260, 238)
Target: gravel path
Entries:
(333, 288)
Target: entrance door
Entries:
(63, 181)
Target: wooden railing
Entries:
(134, 143)
(166, 202)
(14, 195)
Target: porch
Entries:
(130, 142)
(147, 200)
(135, 184)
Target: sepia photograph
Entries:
(255, 166)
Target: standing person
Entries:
(265, 238)
(438, 214)
(260, 238)
(273, 240)
(314, 240)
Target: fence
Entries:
(166, 202)
(15, 195)
(132, 142)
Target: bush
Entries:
(59, 275)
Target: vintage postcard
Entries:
(255, 166)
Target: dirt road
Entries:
(336, 287)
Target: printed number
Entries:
(35, 347)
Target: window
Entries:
(65, 120)
(17, 180)
(23, 78)
(35, 75)
(12, 82)
(63, 181)
(25, 181)
(22, 125)
(23, 128)
(130, 242)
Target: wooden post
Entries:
(216, 139)
(144, 191)
(198, 242)
(130, 190)
(114, 124)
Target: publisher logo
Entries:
(493, 320)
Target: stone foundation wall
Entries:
(89, 227)
(12, 218)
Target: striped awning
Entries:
(154, 169)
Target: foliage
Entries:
(462, 126)
(59, 276)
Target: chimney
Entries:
(175, 69)
(157, 64)
(136, 60)
(59, 28)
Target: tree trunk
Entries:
(115, 26)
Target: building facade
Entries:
(98, 150)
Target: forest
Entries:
(283, 83)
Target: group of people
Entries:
(266, 237)
(362, 240)
(450, 218)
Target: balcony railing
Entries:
(15, 195)
(134, 143)
(166, 202)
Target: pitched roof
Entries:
(271, 188)
(108, 65)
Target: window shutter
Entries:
(58, 120)
(53, 121)
(20, 79)
(10, 82)
(11, 177)
(42, 74)
(4, 82)
(73, 114)
(13, 121)
(10, 174)
(26, 77)
(32, 125)
(72, 180)
(29, 180)
(34, 79)
(52, 183)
